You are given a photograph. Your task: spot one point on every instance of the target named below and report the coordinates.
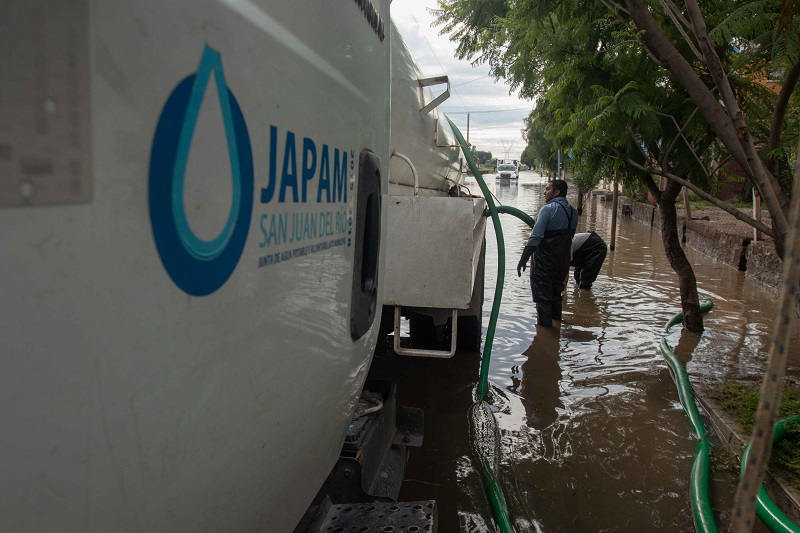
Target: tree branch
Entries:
(679, 21)
(757, 168)
(724, 122)
(779, 112)
(671, 59)
(719, 166)
(680, 135)
(652, 187)
(678, 13)
(616, 7)
(697, 190)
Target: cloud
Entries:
(495, 116)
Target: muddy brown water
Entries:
(593, 437)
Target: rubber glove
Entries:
(523, 261)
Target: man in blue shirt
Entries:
(550, 244)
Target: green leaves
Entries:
(763, 32)
(596, 89)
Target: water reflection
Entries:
(687, 343)
(593, 436)
(506, 188)
(443, 468)
(541, 374)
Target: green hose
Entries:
(699, 497)
(699, 484)
(766, 509)
(496, 499)
(501, 264)
(519, 213)
(700, 500)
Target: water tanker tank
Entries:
(422, 136)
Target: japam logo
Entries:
(197, 266)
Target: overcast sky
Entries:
(496, 118)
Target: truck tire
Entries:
(469, 325)
(469, 334)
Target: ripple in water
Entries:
(592, 420)
(592, 435)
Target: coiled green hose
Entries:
(700, 500)
(699, 496)
(702, 512)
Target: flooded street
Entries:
(593, 437)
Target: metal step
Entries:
(396, 517)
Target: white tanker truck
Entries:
(507, 169)
(205, 206)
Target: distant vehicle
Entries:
(508, 169)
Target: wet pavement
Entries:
(592, 435)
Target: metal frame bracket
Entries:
(427, 82)
(439, 354)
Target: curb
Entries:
(735, 439)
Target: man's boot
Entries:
(555, 310)
(544, 316)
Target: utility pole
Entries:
(469, 146)
(506, 149)
(756, 213)
(614, 203)
(559, 164)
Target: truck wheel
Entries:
(469, 326)
(469, 334)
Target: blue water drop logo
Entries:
(205, 250)
(198, 266)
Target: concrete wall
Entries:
(764, 265)
(758, 260)
(728, 248)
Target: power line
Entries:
(470, 81)
(487, 111)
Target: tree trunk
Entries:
(690, 301)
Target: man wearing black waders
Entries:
(550, 244)
(588, 253)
